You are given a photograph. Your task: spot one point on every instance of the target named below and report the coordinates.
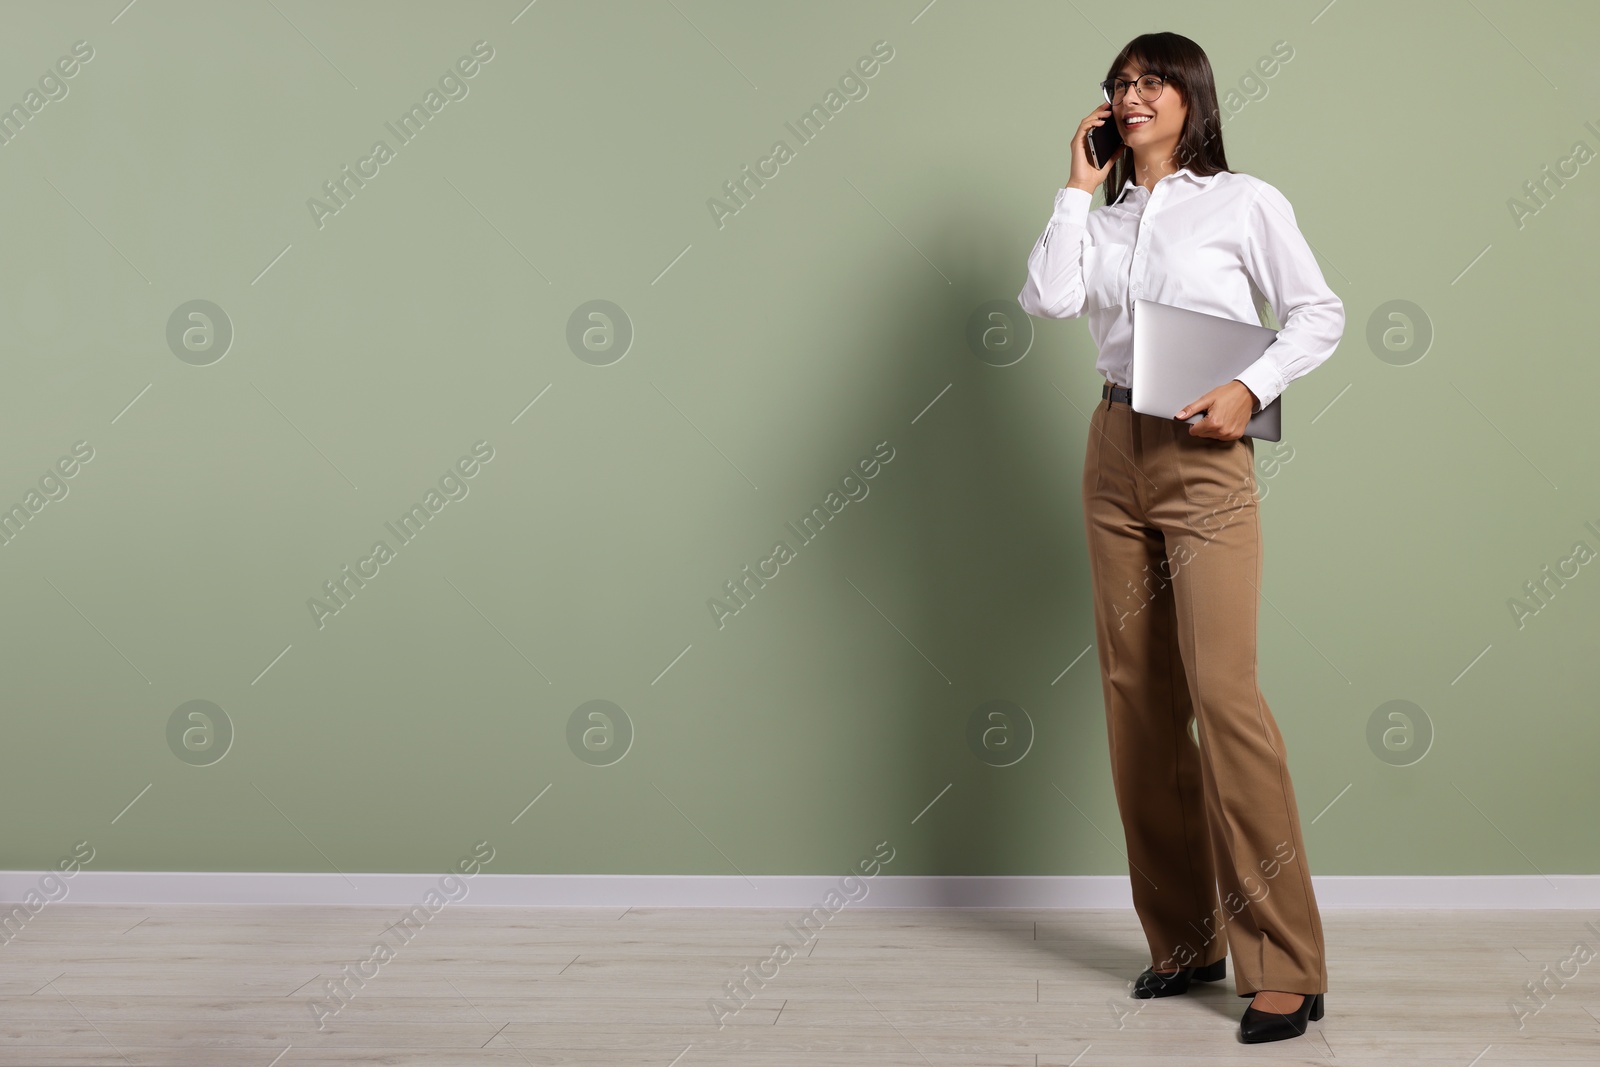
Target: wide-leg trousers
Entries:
(1213, 834)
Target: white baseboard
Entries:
(1557, 891)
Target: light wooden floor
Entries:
(126, 984)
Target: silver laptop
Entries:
(1180, 355)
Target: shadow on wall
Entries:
(991, 585)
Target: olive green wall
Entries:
(851, 330)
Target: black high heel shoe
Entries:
(1150, 984)
(1259, 1026)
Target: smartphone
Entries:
(1103, 142)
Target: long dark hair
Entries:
(1184, 65)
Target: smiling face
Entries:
(1155, 124)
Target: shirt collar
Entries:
(1198, 179)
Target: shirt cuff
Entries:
(1261, 378)
(1072, 205)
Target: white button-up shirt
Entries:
(1219, 243)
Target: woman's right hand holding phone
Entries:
(1084, 176)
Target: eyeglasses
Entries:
(1150, 86)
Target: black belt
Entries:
(1119, 394)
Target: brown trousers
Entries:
(1174, 540)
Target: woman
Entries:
(1174, 536)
